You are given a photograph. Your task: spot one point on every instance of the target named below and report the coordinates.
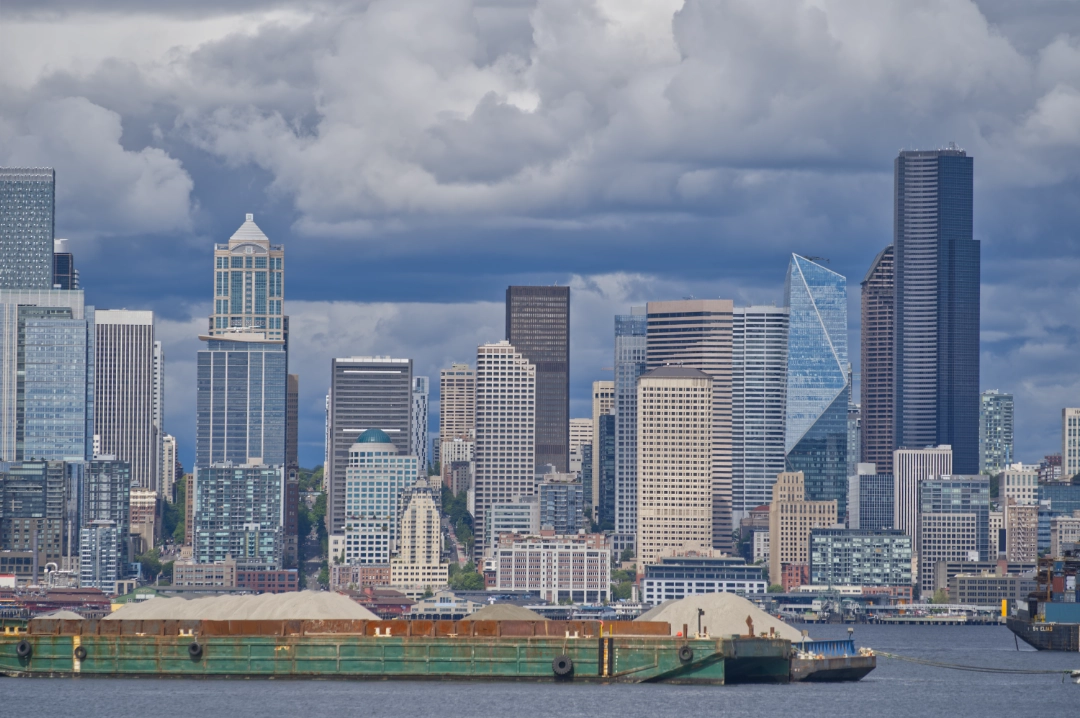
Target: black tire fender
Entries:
(23, 649)
(686, 654)
(562, 666)
(194, 650)
(80, 653)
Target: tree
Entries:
(775, 588)
(466, 578)
(940, 596)
(626, 555)
(324, 576)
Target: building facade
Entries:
(856, 557)
(877, 384)
(954, 520)
(556, 567)
(791, 519)
(911, 467)
(675, 577)
(365, 393)
(995, 431)
(870, 499)
(937, 267)
(505, 428)
(818, 391)
(561, 504)
(697, 334)
(238, 513)
(292, 421)
(676, 407)
(1021, 531)
(249, 285)
(1070, 442)
(457, 403)
(99, 562)
(27, 224)
(419, 419)
(36, 516)
(603, 404)
(513, 517)
(758, 404)
(376, 480)
(538, 327)
(419, 564)
(106, 496)
(65, 275)
(630, 362)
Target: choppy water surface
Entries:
(894, 689)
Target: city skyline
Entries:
(149, 185)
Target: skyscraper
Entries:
(376, 478)
(954, 521)
(419, 433)
(125, 417)
(505, 430)
(817, 380)
(237, 512)
(106, 496)
(604, 479)
(936, 397)
(877, 385)
(870, 499)
(758, 401)
(1070, 442)
(27, 208)
(292, 421)
(65, 276)
(630, 349)
(676, 406)
(697, 333)
(538, 326)
(995, 431)
(603, 403)
(249, 284)
(457, 403)
(365, 393)
(910, 468)
(240, 401)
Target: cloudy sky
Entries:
(416, 156)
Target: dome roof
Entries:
(374, 436)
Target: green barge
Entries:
(577, 651)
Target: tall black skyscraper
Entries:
(538, 326)
(937, 306)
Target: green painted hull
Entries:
(475, 652)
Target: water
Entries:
(897, 689)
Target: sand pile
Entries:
(504, 612)
(62, 615)
(725, 615)
(293, 606)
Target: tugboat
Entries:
(1051, 619)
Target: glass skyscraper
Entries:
(376, 478)
(240, 401)
(629, 365)
(249, 285)
(995, 431)
(937, 305)
(27, 207)
(818, 392)
(239, 514)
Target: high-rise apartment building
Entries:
(1020, 482)
(936, 396)
(419, 564)
(457, 403)
(792, 516)
(995, 431)
(877, 380)
(603, 404)
(630, 349)
(676, 407)
(126, 394)
(910, 468)
(954, 520)
(27, 210)
(106, 496)
(818, 388)
(36, 518)
(365, 393)
(1021, 531)
(249, 285)
(240, 401)
(419, 419)
(538, 327)
(1070, 442)
(696, 333)
(560, 504)
(376, 479)
(292, 421)
(238, 513)
(758, 401)
(581, 435)
(65, 276)
(506, 411)
(870, 499)
(169, 475)
(99, 559)
(860, 557)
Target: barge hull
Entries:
(1046, 636)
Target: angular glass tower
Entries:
(629, 365)
(815, 441)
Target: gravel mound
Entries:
(293, 606)
(504, 612)
(725, 615)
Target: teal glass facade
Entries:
(27, 209)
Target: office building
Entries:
(696, 333)
(954, 520)
(505, 428)
(419, 420)
(365, 393)
(1070, 442)
(169, 470)
(27, 211)
(997, 534)
(1050, 468)
(791, 518)
(419, 565)
(1021, 531)
(376, 480)
(818, 390)
(676, 406)
(521, 516)
(758, 401)
(870, 499)
(457, 403)
(538, 327)
(877, 381)
(1019, 482)
(65, 276)
(944, 571)
(577, 567)
(580, 436)
(1062, 497)
(238, 513)
(106, 496)
(35, 516)
(630, 348)
(936, 397)
(854, 422)
(240, 402)
(603, 404)
(675, 577)
(995, 431)
(127, 386)
(857, 557)
(99, 561)
(292, 421)
(561, 504)
(911, 467)
(604, 481)
(989, 589)
(249, 285)
(143, 520)
(1064, 532)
